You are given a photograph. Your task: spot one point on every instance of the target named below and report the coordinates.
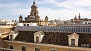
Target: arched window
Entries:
(24, 24)
(73, 39)
(27, 24)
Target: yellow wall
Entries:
(43, 23)
(43, 47)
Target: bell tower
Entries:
(34, 10)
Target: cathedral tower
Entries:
(33, 17)
(34, 10)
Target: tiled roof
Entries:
(55, 28)
(54, 34)
(57, 38)
(25, 36)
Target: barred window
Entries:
(72, 41)
(23, 48)
(37, 49)
(11, 46)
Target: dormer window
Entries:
(38, 36)
(73, 42)
(12, 35)
(73, 39)
(37, 39)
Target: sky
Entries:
(54, 9)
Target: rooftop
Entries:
(62, 28)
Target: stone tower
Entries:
(46, 18)
(75, 18)
(34, 11)
(33, 17)
(20, 18)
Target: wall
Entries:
(30, 24)
(1, 42)
(86, 22)
(43, 23)
(43, 47)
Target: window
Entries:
(23, 48)
(73, 39)
(24, 24)
(34, 13)
(11, 46)
(27, 24)
(73, 42)
(37, 39)
(53, 50)
(11, 37)
(37, 49)
(85, 22)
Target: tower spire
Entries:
(34, 3)
(75, 15)
(79, 16)
(20, 15)
(75, 18)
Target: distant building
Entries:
(76, 20)
(86, 22)
(5, 22)
(33, 19)
(80, 20)
(52, 23)
(6, 26)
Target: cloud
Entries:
(67, 9)
(57, 14)
(83, 3)
(54, 9)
